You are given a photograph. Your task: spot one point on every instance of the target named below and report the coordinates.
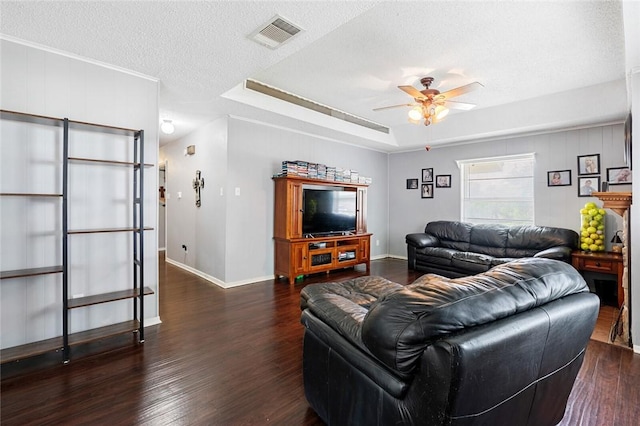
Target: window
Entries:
(498, 190)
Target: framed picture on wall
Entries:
(588, 185)
(559, 178)
(589, 164)
(618, 175)
(412, 183)
(427, 175)
(443, 181)
(427, 190)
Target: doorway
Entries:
(162, 209)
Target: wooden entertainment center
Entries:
(298, 254)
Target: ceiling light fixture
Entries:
(167, 127)
(428, 111)
(431, 105)
(415, 114)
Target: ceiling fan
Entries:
(430, 105)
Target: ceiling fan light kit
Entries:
(415, 114)
(167, 127)
(430, 105)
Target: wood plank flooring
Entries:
(233, 357)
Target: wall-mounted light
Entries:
(167, 127)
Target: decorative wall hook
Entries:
(198, 183)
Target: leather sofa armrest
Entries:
(420, 240)
(558, 253)
(416, 241)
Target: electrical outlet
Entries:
(377, 242)
(75, 296)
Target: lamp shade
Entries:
(415, 114)
(616, 238)
(441, 112)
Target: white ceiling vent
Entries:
(274, 92)
(275, 33)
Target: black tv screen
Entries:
(328, 211)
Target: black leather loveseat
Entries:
(457, 249)
(499, 348)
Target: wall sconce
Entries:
(190, 150)
(616, 242)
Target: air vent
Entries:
(275, 32)
(314, 106)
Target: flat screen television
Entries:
(328, 211)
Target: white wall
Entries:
(37, 81)
(233, 243)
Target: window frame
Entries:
(464, 182)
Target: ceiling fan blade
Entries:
(458, 105)
(412, 91)
(461, 90)
(393, 106)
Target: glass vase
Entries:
(592, 231)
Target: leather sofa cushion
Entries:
(528, 240)
(344, 305)
(437, 255)
(361, 291)
(489, 239)
(400, 325)
(471, 262)
(501, 260)
(455, 235)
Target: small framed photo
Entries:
(589, 164)
(588, 185)
(427, 190)
(443, 181)
(559, 178)
(618, 175)
(427, 175)
(412, 183)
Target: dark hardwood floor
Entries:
(233, 357)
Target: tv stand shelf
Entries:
(298, 253)
(305, 256)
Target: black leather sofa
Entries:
(458, 249)
(499, 348)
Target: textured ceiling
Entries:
(352, 56)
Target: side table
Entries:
(603, 262)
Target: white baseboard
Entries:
(148, 322)
(397, 257)
(214, 280)
(162, 249)
(223, 284)
(636, 349)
